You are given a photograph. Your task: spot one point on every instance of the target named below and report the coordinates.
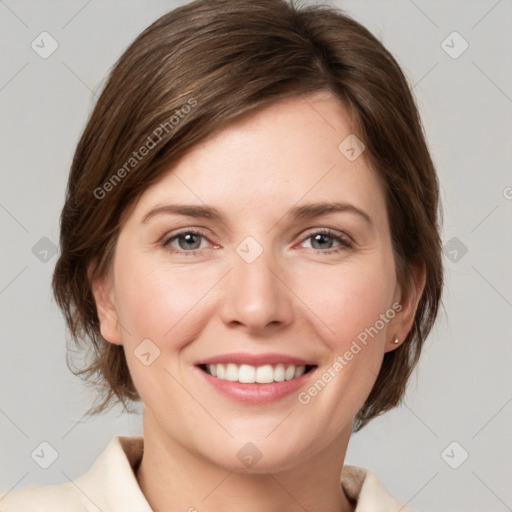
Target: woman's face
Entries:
(275, 279)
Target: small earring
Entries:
(396, 340)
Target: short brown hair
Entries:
(208, 62)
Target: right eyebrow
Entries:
(205, 212)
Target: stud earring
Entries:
(396, 340)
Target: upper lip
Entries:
(256, 359)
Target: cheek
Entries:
(347, 300)
(159, 302)
(347, 305)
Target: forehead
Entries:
(273, 158)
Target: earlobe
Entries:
(103, 292)
(409, 304)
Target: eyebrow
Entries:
(307, 211)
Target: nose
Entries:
(256, 294)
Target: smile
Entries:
(256, 378)
(248, 374)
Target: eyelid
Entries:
(329, 232)
(173, 234)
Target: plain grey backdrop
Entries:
(448, 447)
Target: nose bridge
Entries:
(256, 297)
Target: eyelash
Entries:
(345, 243)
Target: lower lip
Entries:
(256, 393)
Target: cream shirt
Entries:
(110, 486)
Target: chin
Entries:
(259, 456)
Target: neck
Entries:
(174, 478)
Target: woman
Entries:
(232, 140)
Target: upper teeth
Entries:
(248, 374)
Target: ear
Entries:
(408, 299)
(103, 292)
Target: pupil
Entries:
(189, 240)
(319, 237)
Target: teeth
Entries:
(300, 370)
(279, 373)
(248, 374)
(231, 372)
(221, 371)
(265, 374)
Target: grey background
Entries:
(462, 389)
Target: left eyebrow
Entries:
(312, 210)
(307, 211)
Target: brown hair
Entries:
(192, 70)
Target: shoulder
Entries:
(42, 498)
(109, 485)
(364, 488)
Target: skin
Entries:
(299, 297)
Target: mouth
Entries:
(249, 374)
(256, 378)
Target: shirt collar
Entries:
(111, 484)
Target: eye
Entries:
(322, 241)
(186, 242)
